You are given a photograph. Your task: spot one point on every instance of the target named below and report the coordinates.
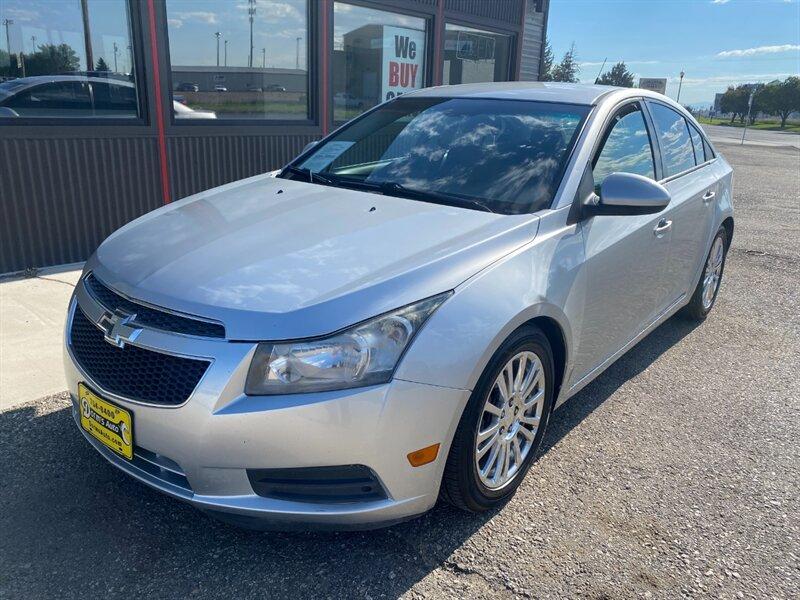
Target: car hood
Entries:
(277, 259)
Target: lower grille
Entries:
(132, 372)
(348, 483)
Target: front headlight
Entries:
(365, 354)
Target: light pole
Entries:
(116, 51)
(33, 44)
(87, 35)
(263, 58)
(8, 23)
(297, 54)
(226, 53)
(680, 85)
(251, 11)
(217, 35)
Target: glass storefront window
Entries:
(68, 59)
(377, 55)
(239, 60)
(473, 55)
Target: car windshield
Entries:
(502, 156)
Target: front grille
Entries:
(151, 317)
(132, 372)
(335, 485)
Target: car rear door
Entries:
(692, 185)
(624, 255)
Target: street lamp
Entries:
(116, 51)
(680, 84)
(251, 11)
(297, 54)
(33, 43)
(217, 34)
(226, 53)
(8, 23)
(263, 58)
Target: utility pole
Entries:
(116, 50)
(33, 44)
(297, 54)
(217, 34)
(263, 58)
(226, 53)
(680, 85)
(251, 11)
(87, 35)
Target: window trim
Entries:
(142, 104)
(313, 95)
(688, 122)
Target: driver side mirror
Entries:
(627, 194)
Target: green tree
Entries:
(547, 63)
(780, 98)
(51, 59)
(568, 69)
(618, 75)
(101, 65)
(735, 102)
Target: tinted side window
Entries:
(697, 142)
(677, 152)
(709, 153)
(114, 99)
(626, 148)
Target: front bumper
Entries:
(201, 450)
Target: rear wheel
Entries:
(705, 294)
(502, 425)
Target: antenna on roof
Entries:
(596, 79)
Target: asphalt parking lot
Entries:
(674, 474)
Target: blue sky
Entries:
(716, 43)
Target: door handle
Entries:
(709, 196)
(663, 227)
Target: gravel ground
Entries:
(676, 473)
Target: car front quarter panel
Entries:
(542, 279)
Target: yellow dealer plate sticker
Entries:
(108, 423)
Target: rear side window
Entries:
(53, 99)
(677, 151)
(626, 148)
(707, 150)
(697, 143)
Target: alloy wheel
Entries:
(713, 272)
(509, 420)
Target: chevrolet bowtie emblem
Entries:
(117, 328)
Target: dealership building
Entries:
(112, 108)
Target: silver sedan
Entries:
(393, 317)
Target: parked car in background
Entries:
(393, 317)
(274, 87)
(345, 100)
(78, 96)
(188, 87)
(220, 88)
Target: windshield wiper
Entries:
(312, 176)
(393, 188)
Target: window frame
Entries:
(649, 101)
(512, 43)
(313, 94)
(142, 100)
(430, 24)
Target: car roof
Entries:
(544, 91)
(26, 82)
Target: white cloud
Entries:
(22, 14)
(599, 63)
(760, 50)
(175, 23)
(720, 1)
(209, 18)
(732, 79)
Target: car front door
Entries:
(692, 185)
(625, 256)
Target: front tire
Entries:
(502, 425)
(705, 294)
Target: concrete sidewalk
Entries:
(32, 316)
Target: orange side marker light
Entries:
(423, 456)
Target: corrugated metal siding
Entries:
(59, 198)
(532, 42)
(199, 162)
(507, 11)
